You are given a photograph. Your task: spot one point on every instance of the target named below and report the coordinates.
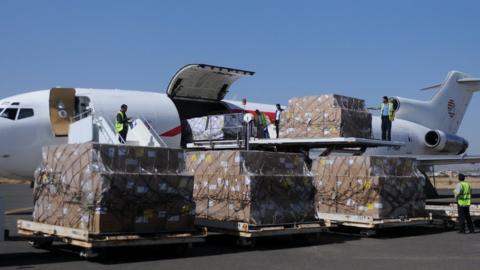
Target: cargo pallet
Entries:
(247, 233)
(447, 214)
(42, 236)
(370, 224)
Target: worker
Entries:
(261, 125)
(388, 115)
(463, 195)
(121, 125)
(265, 125)
(278, 116)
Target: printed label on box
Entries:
(148, 213)
(130, 184)
(122, 151)
(141, 220)
(151, 154)
(142, 189)
(111, 152)
(175, 218)
(101, 210)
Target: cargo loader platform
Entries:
(43, 235)
(335, 144)
(368, 222)
(447, 214)
(248, 232)
(216, 144)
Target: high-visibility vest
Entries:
(119, 125)
(263, 119)
(391, 112)
(465, 196)
(260, 119)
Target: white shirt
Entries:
(278, 113)
(385, 109)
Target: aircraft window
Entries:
(25, 113)
(15, 103)
(9, 113)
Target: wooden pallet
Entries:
(84, 239)
(369, 222)
(246, 230)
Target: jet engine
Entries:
(445, 142)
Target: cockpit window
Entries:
(15, 103)
(25, 113)
(9, 113)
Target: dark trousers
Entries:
(464, 215)
(265, 133)
(277, 127)
(260, 132)
(386, 128)
(123, 136)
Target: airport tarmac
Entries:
(402, 248)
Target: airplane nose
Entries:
(4, 126)
(6, 144)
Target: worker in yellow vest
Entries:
(121, 125)
(388, 115)
(261, 124)
(463, 195)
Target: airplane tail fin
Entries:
(452, 99)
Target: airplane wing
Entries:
(448, 159)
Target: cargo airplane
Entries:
(30, 120)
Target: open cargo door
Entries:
(203, 82)
(62, 106)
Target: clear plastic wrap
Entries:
(259, 188)
(376, 186)
(114, 189)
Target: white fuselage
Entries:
(21, 140)
(26, 123)
(411, 133)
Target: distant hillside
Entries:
(462, 168)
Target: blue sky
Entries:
(365, 48)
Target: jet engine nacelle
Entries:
(445, 142)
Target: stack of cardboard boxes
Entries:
(254, 187)
(376, 186)
(326, 116)
(216, 127)
(114, 189)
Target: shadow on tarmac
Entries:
(219, 245)
(25, 260)
(215, 245)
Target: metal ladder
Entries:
(94, 126)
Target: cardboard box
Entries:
(239, 162)
(104, 189)
(259, 188)
(326, 116)
(219, 127)
(376, 186)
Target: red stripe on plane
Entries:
(172, 132)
